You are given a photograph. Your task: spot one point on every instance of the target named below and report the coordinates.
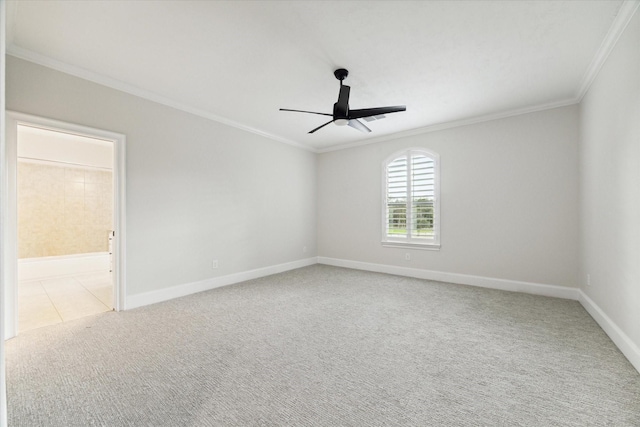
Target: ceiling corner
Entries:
(622, 19)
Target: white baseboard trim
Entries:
(152, 297)
(63, 266)
(619, 338)
(462, 279)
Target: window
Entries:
(411, 200)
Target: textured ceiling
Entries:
(241, 61)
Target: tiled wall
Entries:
(63, 210)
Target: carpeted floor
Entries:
(325, 346)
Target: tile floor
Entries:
(49, 301)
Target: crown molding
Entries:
(622, 19)
(103, 80)
(620, 22)
(454, 124)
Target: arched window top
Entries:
(418, 150)
(411, 199)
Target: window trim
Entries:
(406, 242)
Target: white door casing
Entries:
(13, 119)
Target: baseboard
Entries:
(63, 266)
(152, 297)
(462, 279)
(619, 338)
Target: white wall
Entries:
(197, 190)
(610, 186)
(509, 204)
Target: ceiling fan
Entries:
(342, 115)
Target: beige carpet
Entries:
(324, 346)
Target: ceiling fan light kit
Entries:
(343, 116)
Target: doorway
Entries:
(64, 186)
(66, 222)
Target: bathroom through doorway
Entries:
(64, 193)
(66, 197)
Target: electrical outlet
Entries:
(214, 264)
(407, 256)
(588, 280)
(304, 249)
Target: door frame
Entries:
(13, 119)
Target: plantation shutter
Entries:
(422, 196)
(397, 197)
(410, 198)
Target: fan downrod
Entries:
(341, 74)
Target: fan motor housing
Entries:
(341, 74)
(339, 113)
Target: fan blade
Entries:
(302, 111)
(341, 108)
(374, 118)
(367, 112)
(357, 124)
(321, 126)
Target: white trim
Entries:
(4, 32)
(630, 350)
(63, 266)
(60, 164)
(119, 219)
(153, 297)
(620, 23)
(461, 279)
(409, 242)
(622, 19)
(10, 229)
(621, 340)
(618, 26)
(422, 246)
(103, 80)
(452, 124)
(82, 73)
(119, 242)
